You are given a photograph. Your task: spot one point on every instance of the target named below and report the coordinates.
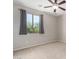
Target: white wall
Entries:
(29, 40)
(61, 28)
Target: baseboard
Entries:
(34, 46)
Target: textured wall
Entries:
(61, 28)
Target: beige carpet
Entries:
(48, 51)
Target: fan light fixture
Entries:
(55, 7)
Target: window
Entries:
(33, 22)
(30, 23)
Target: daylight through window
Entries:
(33, 22)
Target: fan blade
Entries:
(62, 8)
(55, 1)
(54, 10)
(47, 6)
(62, 2)
(51, 1)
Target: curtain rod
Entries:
(20, 9)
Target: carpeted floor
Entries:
(55, 50)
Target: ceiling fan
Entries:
(56, 5)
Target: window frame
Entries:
(33, 22)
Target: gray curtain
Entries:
(41, 25)
(23, 27)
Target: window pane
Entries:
(29, 22)
(36, 23)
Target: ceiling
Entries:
(39, 5)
